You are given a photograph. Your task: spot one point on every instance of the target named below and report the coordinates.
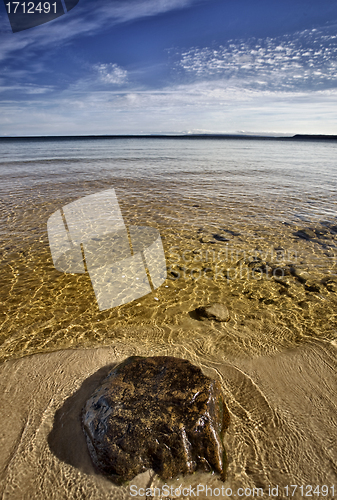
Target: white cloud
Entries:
(212, 106)
(305, 59)
(111, 73)
(285, 84)
(26, 89)
(127, 11)
(84, 19)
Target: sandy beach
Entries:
(283, 422)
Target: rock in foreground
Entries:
(159, 413)
(216, 312)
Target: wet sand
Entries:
(283, 421)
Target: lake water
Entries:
(251, 223)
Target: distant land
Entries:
(307, 137)
(297, 137)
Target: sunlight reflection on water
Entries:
(201, 195)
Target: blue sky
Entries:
(173, 66)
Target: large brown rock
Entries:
(216, 312)
(159, 413)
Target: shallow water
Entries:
(249, 223)
(231, 214)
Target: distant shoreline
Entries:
(296, 137)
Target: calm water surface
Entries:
(246, 222)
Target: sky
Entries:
(172, 67)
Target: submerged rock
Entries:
(311, 286)
(311, 233)
(305, 234)
(330, 284)
(216, 312)
(207, 240)
(159, 413)
(220, 237)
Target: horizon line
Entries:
(179, 136)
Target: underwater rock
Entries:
(217, 312)
(311, 286)
(231, 232)
(207, 240)
(159, 413)
(305, 234)
(301, 276)
(220, 237)
(330, 284)
(316, 232)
